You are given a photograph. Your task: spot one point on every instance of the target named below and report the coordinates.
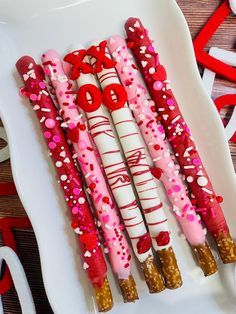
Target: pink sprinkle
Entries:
(75, 210)
(169, 192)
(190, 217)
(82, 145)
(50, 123)
(33, 97)
(196, 162)
(71, 125)
(157, 85)
(160, 128)
(42, 85)
(105, 218)
(52, 145)
(186, 206)
(76, 191)
(176, 188)
(170, 102)
(56, 138)
(47, 134)
(151, 48)
(47, 71)
(61, 93)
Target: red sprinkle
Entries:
(219, 199)
(105, 199)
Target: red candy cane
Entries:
(180, 138)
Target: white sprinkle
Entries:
(202, 181)
(131, 29)
(77, 230)
(207, 191)
(152, 70)
(81, 200)
(42, 119)
(46, 109)
(58, 164)
(175, 119)
(108, 227)
(87, 254)
(63, 177)
(189, 167)
(189, 179)
(85, 266)
(144, 63)
(36, 107)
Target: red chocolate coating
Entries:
(176, 129)
(71, 184)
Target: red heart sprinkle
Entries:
(144, 243)
(156, 172)
(160, 74)
(73, 135)
(163, 238)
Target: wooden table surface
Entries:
(196, 12)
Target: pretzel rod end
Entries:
(128, 289)
(152, 276)
(104, 297)
(226, 248)
(205, 259)
(170, 269)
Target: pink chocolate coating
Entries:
(154, 136)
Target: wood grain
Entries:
(196, 12)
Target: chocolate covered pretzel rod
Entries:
(178, 133)
(165, 168)
(143, 180)
(82, 219)
(106, 211)
(120, 184)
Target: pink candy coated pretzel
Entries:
(117, 246)
(154, 136)
(179, 136)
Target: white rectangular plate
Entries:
(31, 27)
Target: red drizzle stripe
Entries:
(128, 219)
(152, 209)
(123, 122)
(139, 223)
(127, 135)
(157, 223)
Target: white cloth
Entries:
(233, 5)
